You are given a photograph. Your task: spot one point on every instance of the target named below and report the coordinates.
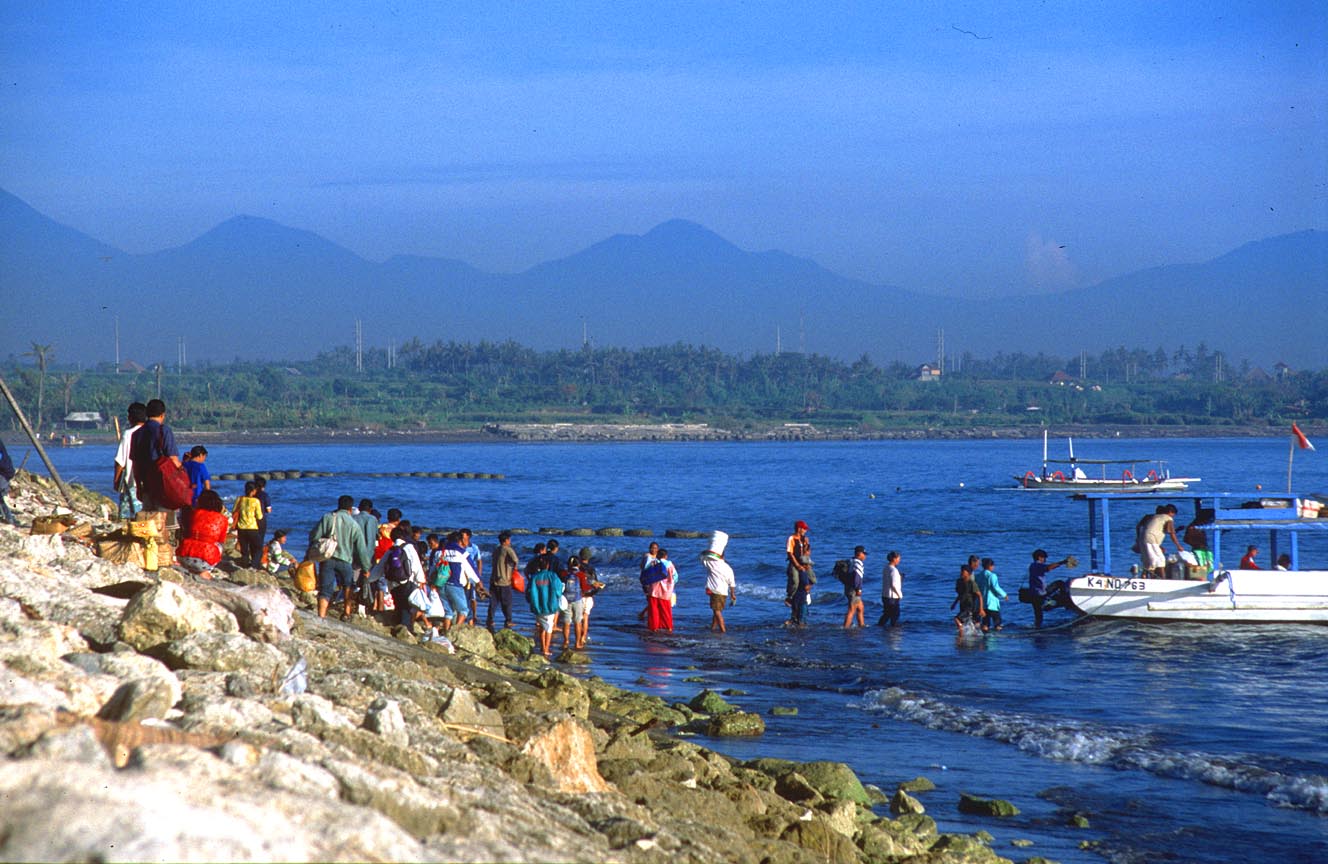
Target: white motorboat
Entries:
(1135, 475)
(1216, 594)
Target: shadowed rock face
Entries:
(177, 741)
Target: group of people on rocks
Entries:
(437, 581)
(204, 524)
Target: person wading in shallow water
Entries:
(721, 586)
(798, 563)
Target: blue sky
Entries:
(966, 148)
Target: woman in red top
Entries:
(200, 550)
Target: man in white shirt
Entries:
(124, 466)
(892, 590)
(721, 585)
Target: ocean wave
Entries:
(1097, 744)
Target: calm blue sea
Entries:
(1178, 742)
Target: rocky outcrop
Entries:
(146, 716)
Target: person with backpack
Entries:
(657, 581)
(463, 576)
(543, 591)
(401, 568)
(852, 580)
(336, 573)
(7, 473)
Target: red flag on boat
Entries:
(1301, 441)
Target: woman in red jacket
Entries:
(200, 551)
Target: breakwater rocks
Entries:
(291, 474)
(150, 716)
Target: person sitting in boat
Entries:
(1159, 526)
(1247, 563)
(1283, 562)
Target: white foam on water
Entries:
(1117, 747)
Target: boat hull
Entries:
(1240, 596)
(1171, 484)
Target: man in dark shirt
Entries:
(1037, 582)
(153, 440)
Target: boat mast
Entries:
(1044, 454)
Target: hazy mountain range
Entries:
(253, 288)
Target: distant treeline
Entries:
(452, 385)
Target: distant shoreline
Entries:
(533, 433)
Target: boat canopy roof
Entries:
(1077, 461)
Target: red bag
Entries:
(518, 581)
(177, 490)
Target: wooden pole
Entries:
(32, 436)
(1291, 455)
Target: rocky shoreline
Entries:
(148, 715)
(683, 432)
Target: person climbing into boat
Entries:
(969, 600)
(1160, 525)
(1197, 538)
(989, 584)
(1248, 563)
(1037, 582)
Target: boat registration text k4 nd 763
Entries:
(1112, 583)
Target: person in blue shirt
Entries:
(1037, 582)
(992, 595)
(543, 589)
(196, 467)
(475, 590)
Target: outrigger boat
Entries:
(1216, 593)
(1136, 475)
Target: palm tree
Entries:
(67, 382)
(42, 354)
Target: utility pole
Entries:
(359, 346)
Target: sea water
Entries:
(1176, 741)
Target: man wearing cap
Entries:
(854, 592)
(721, 585)
(798, 555)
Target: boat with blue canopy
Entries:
(1209, 592)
